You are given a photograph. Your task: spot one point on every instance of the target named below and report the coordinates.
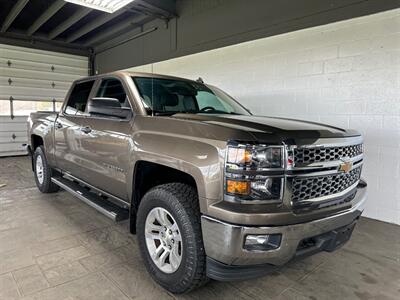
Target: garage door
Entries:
(32, 80)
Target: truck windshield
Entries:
(169, 96)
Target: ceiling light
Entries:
(109, 6)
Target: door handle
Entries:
(86, 129)
(59, 125)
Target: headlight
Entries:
(254, 173)
(255, 157)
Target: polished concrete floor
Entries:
(56, 247)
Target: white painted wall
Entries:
(345, 74)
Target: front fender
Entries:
(201, 159)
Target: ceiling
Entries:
(61, 26)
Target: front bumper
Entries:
(224, 242)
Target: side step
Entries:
(105, 207)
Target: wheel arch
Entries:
(147, 174)
(36, 141)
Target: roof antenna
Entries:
(152, 90)
(200, 80)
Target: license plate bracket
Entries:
(338, 237)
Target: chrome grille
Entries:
(322, 154)
(305, 188)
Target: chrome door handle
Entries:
(59, 125)
(86, 129)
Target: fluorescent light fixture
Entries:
(109, 6)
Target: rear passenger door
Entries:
(67, 130)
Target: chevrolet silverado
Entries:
(210, 190)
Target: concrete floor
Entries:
(56, 247)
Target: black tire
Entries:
(47, 186)
(181, 201)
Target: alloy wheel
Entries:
(163, 240)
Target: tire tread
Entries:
(48, 186)
(195, 275)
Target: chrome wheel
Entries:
(163, 240)
(39, 169)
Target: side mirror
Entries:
(110, 107)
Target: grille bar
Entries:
(306, 188)
(318, 154)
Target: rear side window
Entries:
(79, 97)
(113, 88)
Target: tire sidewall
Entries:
(44, 187)
(174, 207)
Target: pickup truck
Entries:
(211, 190)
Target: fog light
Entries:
(262, 242)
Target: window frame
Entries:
(94, 91)
(101, 80)
(67, 98)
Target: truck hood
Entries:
(264, 128)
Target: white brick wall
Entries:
(345, 74)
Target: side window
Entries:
(113, 88)
(79, 96)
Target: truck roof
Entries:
(133, 74)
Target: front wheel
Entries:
(170, 239)
(43, 172)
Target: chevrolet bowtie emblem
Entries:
(346, 166)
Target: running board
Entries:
(105, 207)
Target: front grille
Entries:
(305, 188)
(323, 154)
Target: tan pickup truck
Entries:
(211, 190)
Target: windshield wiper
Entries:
(171, 113)
(165, 113)
(219, 113)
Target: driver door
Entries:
(107, 142)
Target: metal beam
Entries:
(93, 25)
(55, 7)
(17, 8)
(22, 40)
(147, 12)
(156, 9)
(114, 43)
(79, 14)
(113, 31)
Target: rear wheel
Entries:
(170, 239)
(43, 172)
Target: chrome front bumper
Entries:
(224, 242)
